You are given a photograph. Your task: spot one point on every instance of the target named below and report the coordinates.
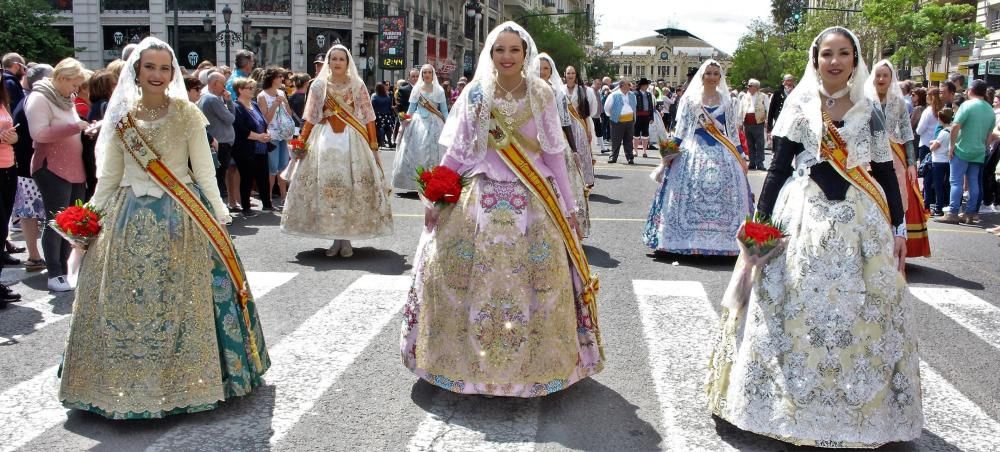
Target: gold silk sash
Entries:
(139, 148)
(346, 116)
(710, 126)
(833, 148)
(584, 121)
(430, 107)
(510, 150)
(900, 152)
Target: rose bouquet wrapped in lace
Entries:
(670, 146)
(79, 224)
(299, 147)
(760, 240)
(439, 186)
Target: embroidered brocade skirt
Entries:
(825, 353)
(580, 192)
(583, 149)
(338, 191)
(157, 328)
(701, 203)
(418, 147)
(495, 308)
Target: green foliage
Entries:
(911, 34)
(562, 39)
(27, 30)
(600, 65)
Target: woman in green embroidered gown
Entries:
(157, 327)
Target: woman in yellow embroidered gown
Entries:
(496, 307)
(156, 328)
(339, 190)
(825, 354)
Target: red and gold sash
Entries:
(911, 184)
(710, 126)
(139, 147)
(430, 107)
(511, 151)
(833, 148)
(584, 121)
(337, 112)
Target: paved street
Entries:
(337, 383)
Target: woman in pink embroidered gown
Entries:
(496, 307)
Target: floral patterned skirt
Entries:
(825, 353)
(418, 147)
(495, 308)
(28, 200)
(703, 200)
(338, 191)
(156, 329)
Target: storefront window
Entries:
(321, 39)
(194, 46)
(117, 37)
(271, 46)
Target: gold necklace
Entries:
(507, 105)
(154, 113)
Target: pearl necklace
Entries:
(507, 105)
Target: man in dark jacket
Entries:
(778, 101)
(403, 101)
(13, 70)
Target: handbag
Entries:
(924, 166)
(282, 127)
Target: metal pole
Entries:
(229, 39)
(176, 28)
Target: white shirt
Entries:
(941, 154)
(926, 125)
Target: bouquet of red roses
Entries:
(440, 185)
(79, 224)
(299, 147)
(403, 116)
(760, 239)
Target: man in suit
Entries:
(778, 101)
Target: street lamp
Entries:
(227, 36)
(474, 10)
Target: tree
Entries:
(757, 56)
(557, 38)
(788, 14)
(27, 29)
(600, 65)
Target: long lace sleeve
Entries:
(315, 100)
(785, 151)
(110, 170)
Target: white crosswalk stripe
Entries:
(303, 366)
(30, 408)
(970, 311)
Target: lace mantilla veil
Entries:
(469, 144)
(316, 99)
(801, 118)
(127, 94)
(897, 117)
(689, 105)
(562, 100)
(437, 93)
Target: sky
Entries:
(718, 22)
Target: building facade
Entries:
(671, 55)
(290, 33)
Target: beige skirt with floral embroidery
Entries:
(494, 308)
(338, 191)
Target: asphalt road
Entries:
(336, 383)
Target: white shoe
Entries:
(334, 249)
(345, 249)
(59, 284)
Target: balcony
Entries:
(994, 25)
(418, 22)
(375, 10)
(125, 5)
(340, 8)
(191, 5)
(267, 6)
(61, 5)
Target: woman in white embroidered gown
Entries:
(339, 190)
(419, 146)
(157, 324)
(583, 106)
(547, 71)
(705, 195)
(827, 355)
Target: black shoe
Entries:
(631, 162)
(7, 295)
(612, 161)
(7, 259)
(250, 213)
(14, 249)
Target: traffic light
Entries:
(797, 16)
